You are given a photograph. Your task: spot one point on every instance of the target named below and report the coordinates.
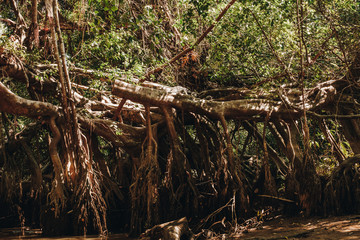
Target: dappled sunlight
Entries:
(332, 228)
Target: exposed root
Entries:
(144, 190)
(182, 166)
(236, 184)
(110, 187)
(57, 193)
(89, 192)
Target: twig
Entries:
(18, 14)
(321, 51)
(21, 25)
(204, 221)
(8, 21)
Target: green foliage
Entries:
(239, 45)
(132, 37)
(196, 15)
(114, 49)
(3, 32)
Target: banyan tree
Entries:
(136, 152)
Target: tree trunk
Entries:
(33, 31)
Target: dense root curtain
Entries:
(145, 188)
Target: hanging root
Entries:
(342, 191)
(89, 192)
(229, 166)
(229, 159)
(146, 184)
(182, 165)
(269, 182)
(110, 188)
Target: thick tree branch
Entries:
(11, 103)
(171, 97)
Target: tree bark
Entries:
(172, 97)
(11, 103)
(33, 31)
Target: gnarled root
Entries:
(57, 193)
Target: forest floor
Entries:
(290, 228)
(339, 227)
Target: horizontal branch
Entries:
(119, 134)
(13, 104)
(173, 97)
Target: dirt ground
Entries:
(295, 228)
(340, 227)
